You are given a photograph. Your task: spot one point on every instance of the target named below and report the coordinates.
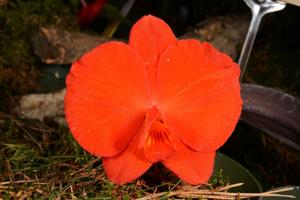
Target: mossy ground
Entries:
(19, 21)
(42, 162)
(45, 162)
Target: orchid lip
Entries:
(158, 140)
(158, 145)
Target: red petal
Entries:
(150, 36)
(200, 94)
(90, 12)
(128, 165)
(191, 166)
(106, 98)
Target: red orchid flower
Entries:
(88, 13)
(157, 99)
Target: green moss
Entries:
(19, 21)
(218, 179)
(61, 168)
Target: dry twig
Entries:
(218, 194)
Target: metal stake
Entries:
(259, 8)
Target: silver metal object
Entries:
(268, 109)
(259, 8)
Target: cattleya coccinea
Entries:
(156, 99)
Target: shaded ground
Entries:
(44, 156)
